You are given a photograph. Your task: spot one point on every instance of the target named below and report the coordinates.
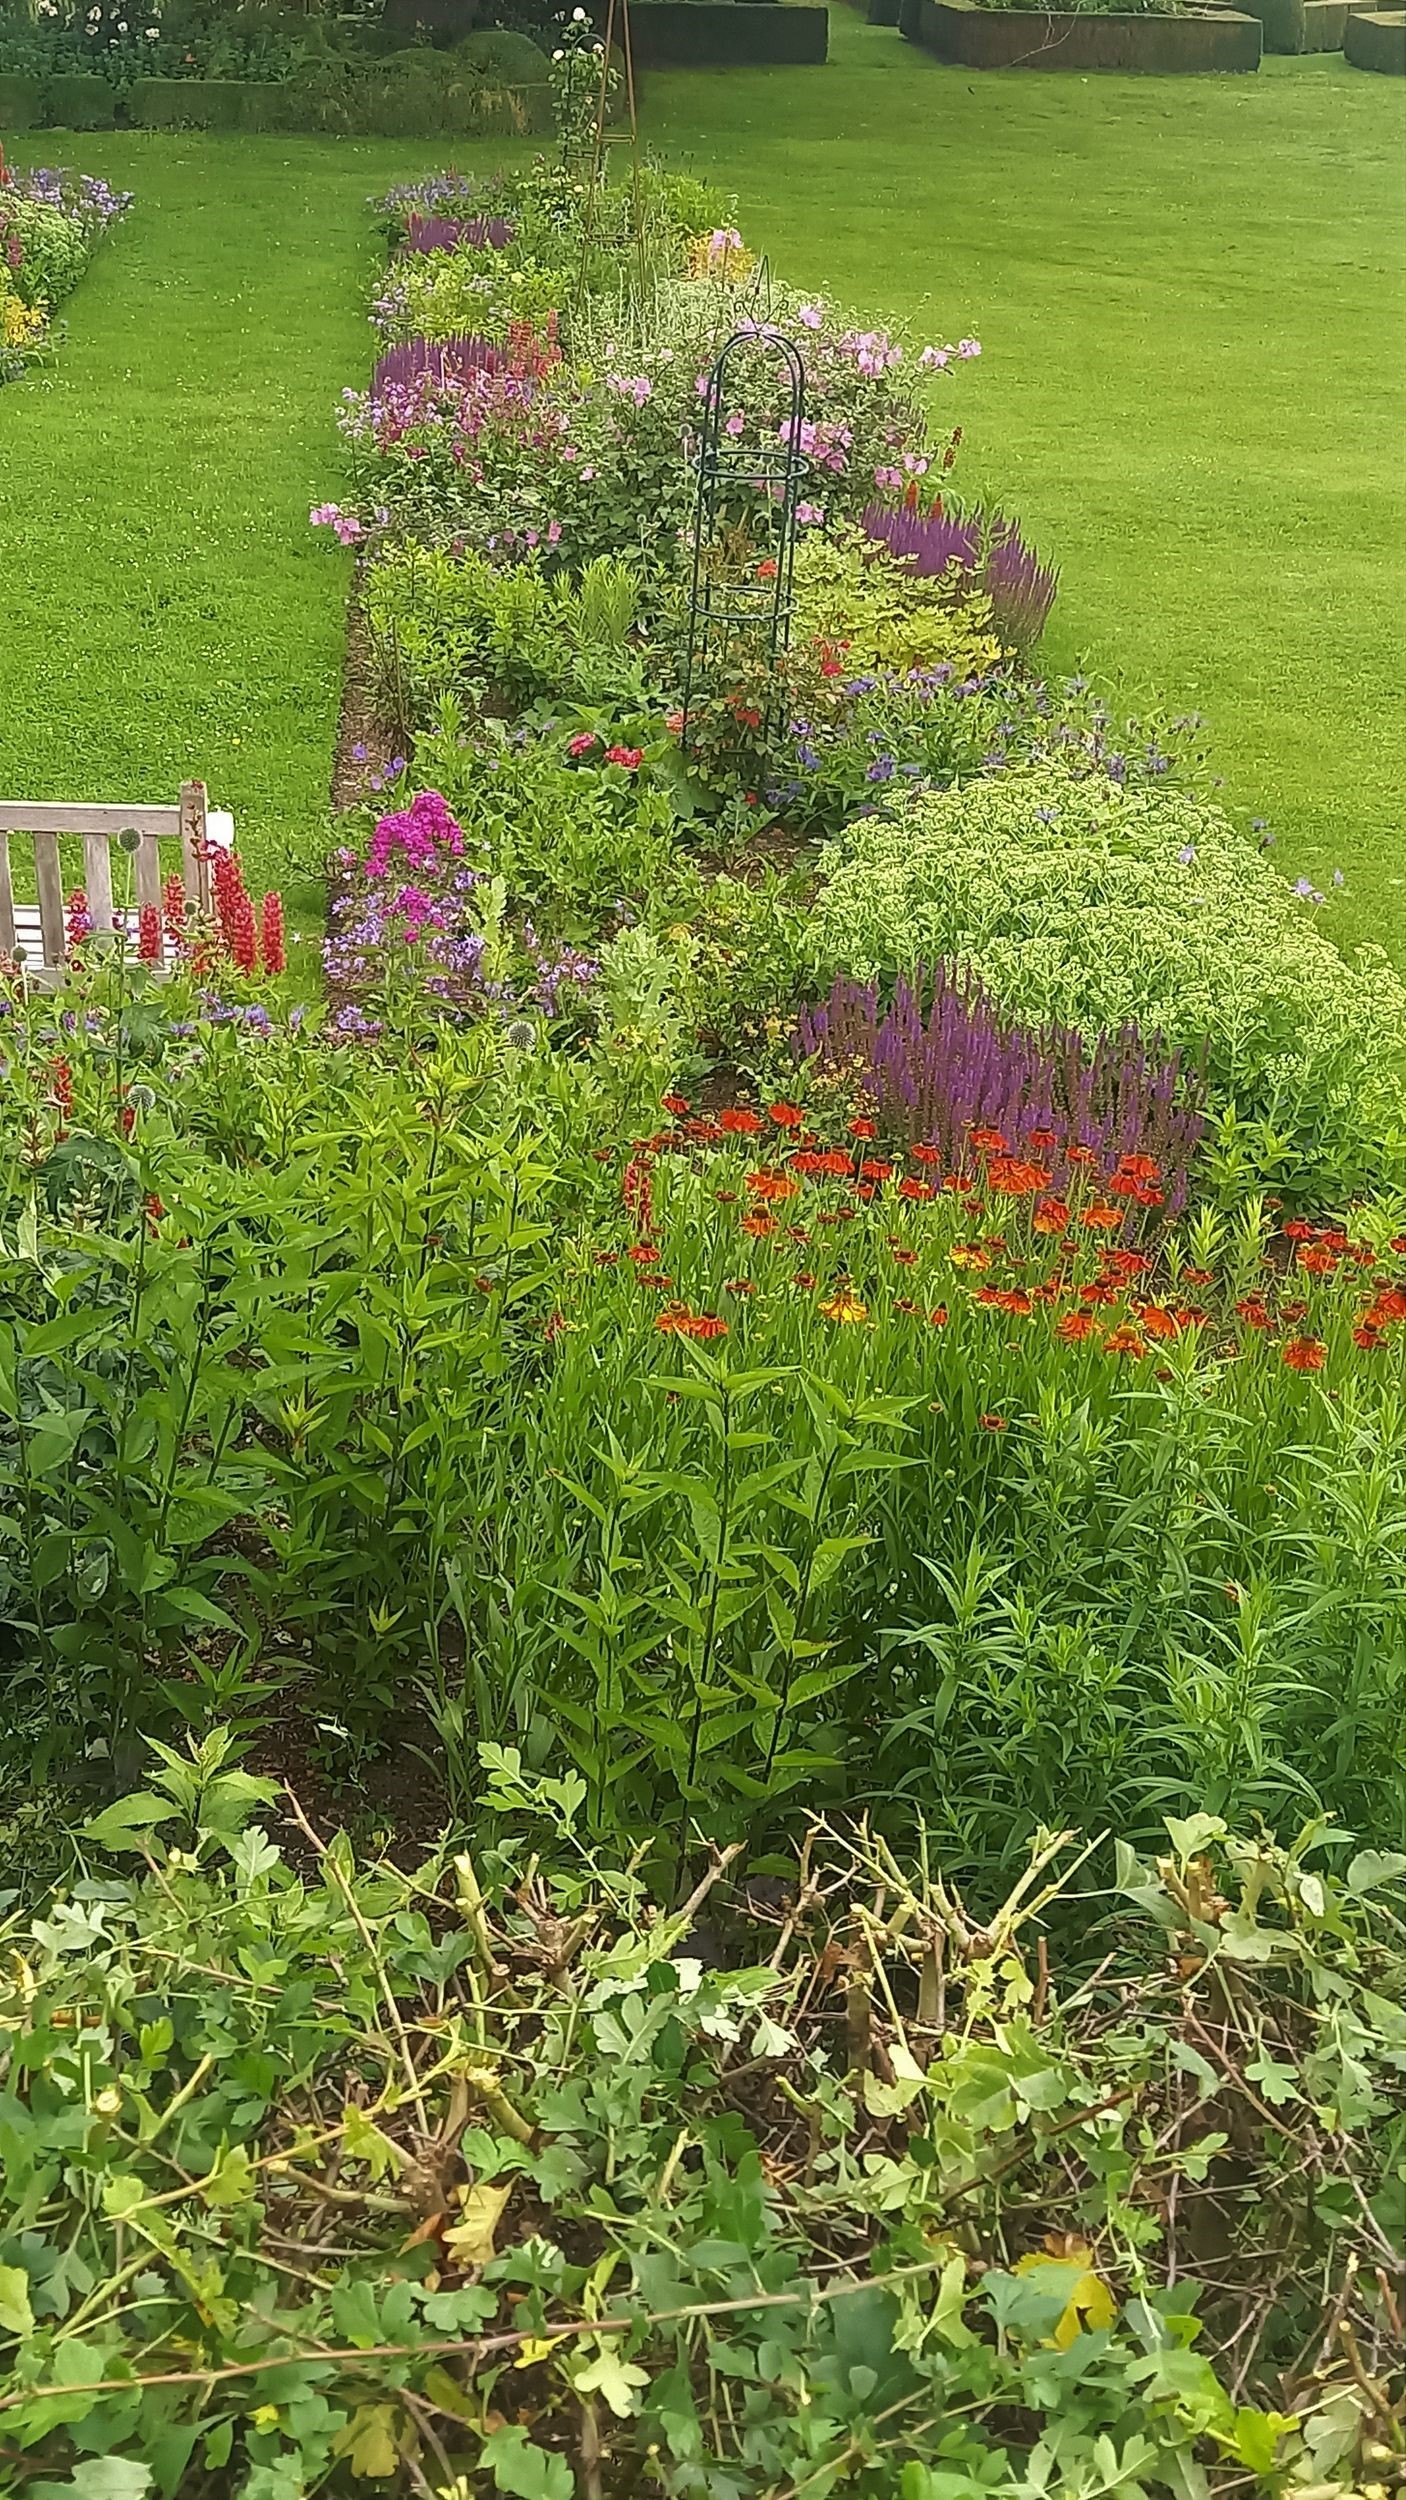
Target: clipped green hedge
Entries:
(390, 99)
(76, 100)
(21, 103)
(727, 34)
(212, 104)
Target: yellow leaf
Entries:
(1089, 2304)
(535, 2349)
(369, 2444)
(471, 2240)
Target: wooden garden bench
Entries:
(39, 929)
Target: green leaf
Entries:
(99, 2478)
(522, 2471)
(1254, 2437)
(369, 2442)
(125, 1824)
(16, 2316)
(1371, 1867)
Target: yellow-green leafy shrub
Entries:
(850, 593)
(1095, 906)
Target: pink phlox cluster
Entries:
(331, 516)
(420, 835)
(874, 352)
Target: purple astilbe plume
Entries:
(444, 234)
(986, 546)
(441, 360)
(936, 1075)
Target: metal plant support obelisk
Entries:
(744, 523)
(616, 29)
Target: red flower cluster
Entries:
(678, 1321)
(149, 946)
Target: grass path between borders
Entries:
(1191, 294)
(164, 606)
(1192, 298)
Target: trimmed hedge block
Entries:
(1376, 39)
(727, 34)
(211, 104)
(76, 100)
(428, 103)
(1304, 25)
(21, 103)
(984, 38)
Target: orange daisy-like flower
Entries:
(808, 1163)
(1100, 1218)
(960, 1182)
(797, 1232)
(1100, 1290)
(1012, 1298)
(1010, 1178)
(675, 1103)
(993, 1423)
(606, 1258)
(655, 1277)
(1254, 1311)
(1156, 1321)
(786, 1114)
(739, 1123)
(1140, 1167)
(761, 1227)
(1050, 1215)
(1389, 1303)
(1292, 1312)
(679, 1321)
(916, 1190)
(803, 1280)
(1124, 1340)
(739, 1284)
(926, 1154)
(1121, 1262)
(643, 1254)
(904, 1258)
(1297, 1230)
(1305, 1354)
(862, 1128)
(938, 1318)
(988, 1141)
(907, 1307)
(1361, 1254)
(844, 1307)
(768, 1188)
(1316, 1259)
(1080, 1154)
(1042, 1139)
(1369, 1338)
(967, 1254)
(872, 1170)
(1075, 1327)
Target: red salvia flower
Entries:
(271, 945)
(173, 907)
(149, 934)
(637, 1192)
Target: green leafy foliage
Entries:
(1097, 907)
(320, 2174)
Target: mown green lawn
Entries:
(1191, 294)
(164, 607)
(1192, 302)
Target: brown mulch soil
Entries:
(360, 723)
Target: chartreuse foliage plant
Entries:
(486, 2175)
(1079, 902)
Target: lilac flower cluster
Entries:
(84, 196)
(935, 1074)
(988, 549)
(417, 898)
(434, 195)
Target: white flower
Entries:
(558, 56)
(578, 17)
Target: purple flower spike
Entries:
(988, 548)
(936, 1073)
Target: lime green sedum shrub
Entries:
(1094, 906)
